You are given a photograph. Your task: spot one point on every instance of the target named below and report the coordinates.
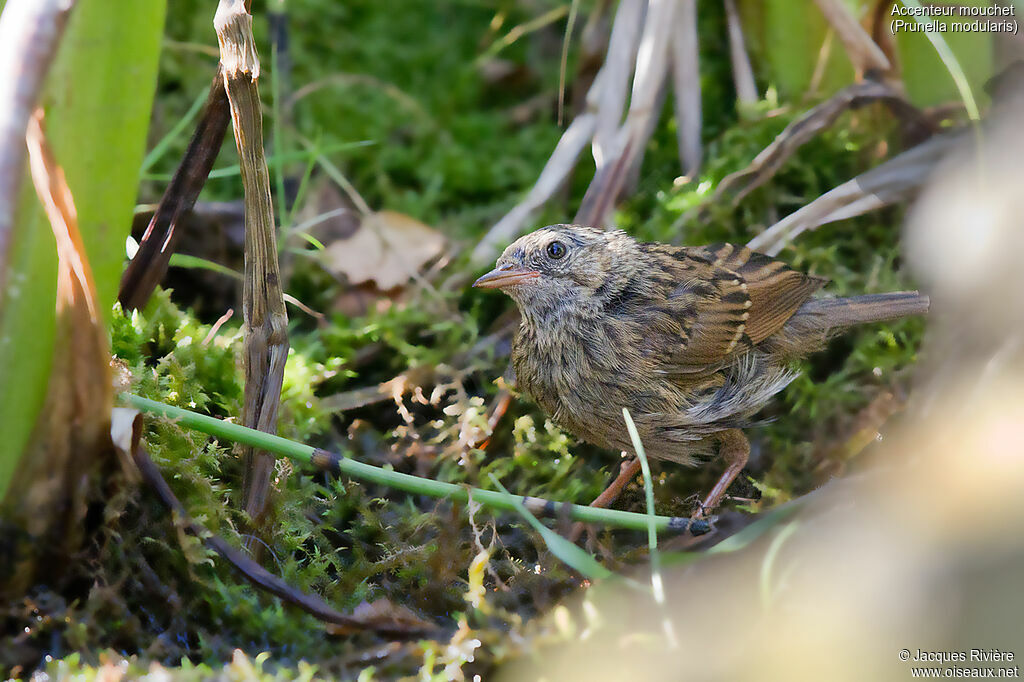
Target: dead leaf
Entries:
(387, 249)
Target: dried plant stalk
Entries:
(802, 130)
(149, 265)
(861, 49)
(895, 180)
(684, 49)
(626, 150)
(619, 63)
(742, 72)
(265, 318)
(29, 33)
(556, 170)
(599, 121)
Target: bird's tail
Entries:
(819, 319)
(840, 313)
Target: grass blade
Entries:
(569, 553)
(956, 72)
(160, 148)
(657, 583)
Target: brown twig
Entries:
(30, 31)
(895, 180)
(806, 128)
(266, 321)
(255, 574)
(149, 265)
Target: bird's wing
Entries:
(727, 299)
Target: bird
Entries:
(693, 340)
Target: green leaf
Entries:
(98, 100)
(575, 557)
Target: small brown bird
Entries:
(692, 340)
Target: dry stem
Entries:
(266, 321)
(29, 33)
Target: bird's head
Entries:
(562, 265)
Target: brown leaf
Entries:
(387, 249)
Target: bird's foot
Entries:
(735, 450)
(627, 471)
(701, 511)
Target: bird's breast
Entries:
(582, 371)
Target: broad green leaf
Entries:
(98, 100)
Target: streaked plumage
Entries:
(693, 340)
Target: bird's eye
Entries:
(556, 250)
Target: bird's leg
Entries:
(735, 450)
(628, 469)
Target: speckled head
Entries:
(558, 264)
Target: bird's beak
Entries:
(505, 276)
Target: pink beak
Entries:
(505, 276)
